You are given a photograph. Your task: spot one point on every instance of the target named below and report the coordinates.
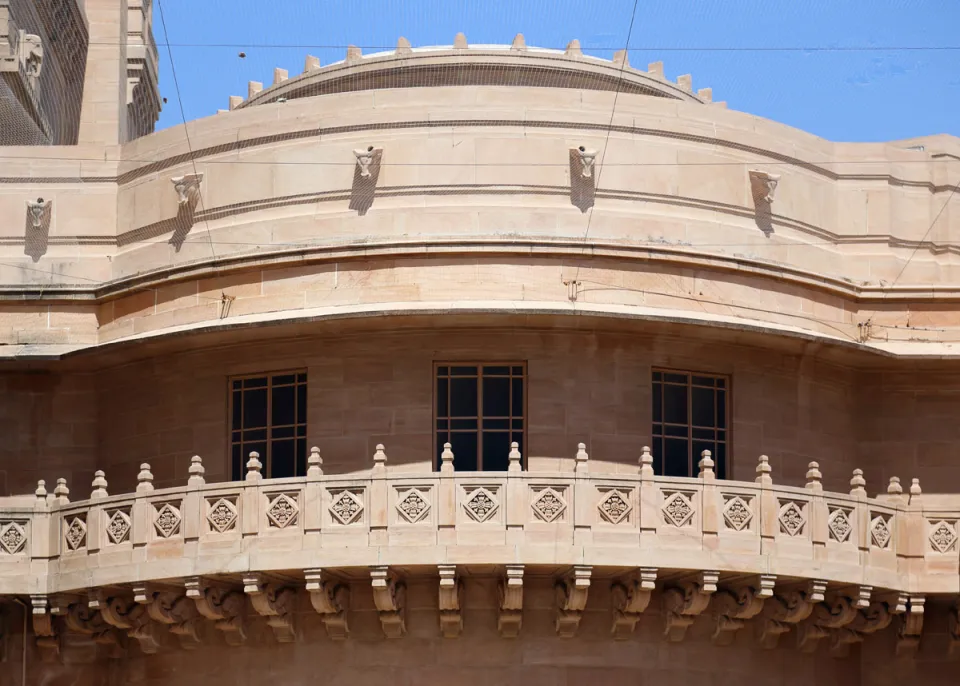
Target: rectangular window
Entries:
(689, 416)
(268, 414)
(480, 411)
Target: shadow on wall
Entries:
(763, 216)
(365, 176)
(181, 225)
(583, 189)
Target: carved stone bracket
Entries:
(835, 614)
(38, 210)
(178, 612)
(763, 185)
(331, 600)
(731, 609)
(682, 603)
(274, 602)
(48, 639)
(571, 598)
(953, 631)
(226, 608)
(80, 618)
(366, 158)
(871, 619)
(787, 609)
(389, 595)
(451, 599)
(911, 624)
(511, 602)
(588, 159)
(188, 189)
(630, 599)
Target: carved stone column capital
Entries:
(331, 600)
(389, 595)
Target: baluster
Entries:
(95, 518)
(250, 509)
(769, 507)
(858, 490)
(819, 512)
(649, 500)
(710, 506)
(140, 512)
(313, 493)
(516, 499)
(584, 501)
(193, 514)
(447, 514)
(379, 498)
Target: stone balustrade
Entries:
(819, 563)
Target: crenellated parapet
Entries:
(175, 566)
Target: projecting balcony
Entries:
(750, 546)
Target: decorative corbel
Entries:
(953, 631)
(836, 614)
(389, 595)
(226, 608)
(869, 620)
(48, 639)
(451, 599)
(682, 604)
(731, 609)
(788, 609)
(366, 159)
(331, 600)
(511, 602)
(31, 55)
(587, 159)
(129, 616)
(82, 619)
(188, 189)
(630, 599)
(571, 599)
(911, 624)
(763, 185)
(37, 210)
(275, 603)
(178, 612)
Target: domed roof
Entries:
(461, 64)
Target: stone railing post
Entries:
(583, 513)
(447, 501)
(710, 506)
(649, 500)
(858, 490)
(42, 532)
(911, 539)
(95, 516)
(250, 509)
(313, 493)
(139, 514)
(193, 504)
(769, 508)
(819, 513)
(379, 498)
(516, 497)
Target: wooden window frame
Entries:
(479, 430)
(693, 461)
(266, 458)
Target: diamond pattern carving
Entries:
(167, 521)
(222, 516)
(118, 526)
(677, 509)
(12, 538)
(943, 537)
(880, 532)
(548, 505)
(839, 525)
(736, 513)
(481, 504)
(791, 519)
(413, 505)
(614, 506)
(282, 511)
(76, 534)
(346, 507)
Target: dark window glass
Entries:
(269, 417)
(480, 412)
(689, 416)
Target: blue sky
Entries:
(800, 62)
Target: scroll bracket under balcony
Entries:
(331, 600)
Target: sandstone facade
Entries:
(606, 259)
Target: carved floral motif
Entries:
(943, 537)
(282, 511)
(222, 515)
(481, 504)
(76, 533)
(12, 538)
(413, 506)
(614, 506)
(346, 507)
(548, 505)
(791, 519)
(118, 526)
(880, 532)
(839, 525)
(167, 522)
(736, 513)
(677, 509)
